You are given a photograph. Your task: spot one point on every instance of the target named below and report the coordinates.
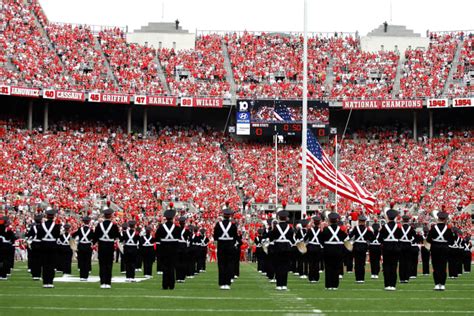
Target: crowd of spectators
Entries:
(182, 164)
(75, 45)
(364, 75)
(134, 66)
(23, 45)
(197, 72)
(69, 168)
(264, 65)
(425, 71)
(463, 84)
(76, 165)
(270, 65)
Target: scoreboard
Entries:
(286, 129)
(265, 118)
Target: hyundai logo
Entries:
(243, 116)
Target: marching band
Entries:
(306, 249)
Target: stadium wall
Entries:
(178, 41)
(392, 43)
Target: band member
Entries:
(389, 237)
(361, 236)
(7, 238)
(105, 235)
(375, 252)
(259, 250)
(269, 258)
(35, 245)
(225, 233)
(130, 239)
(408, 236)
(124, 227)
(332, 239)
(283, 237)
(49, 233)
(147, 250)
(454, 258)
(182, 264)
(238, 244)
(425, 253)
(315, 250)
(414, 254)
(302, 262)
(202, 252)
(84, 236)
(193, 251)
(65, 251)
(467, 256)
(168, 235)
(440, 237)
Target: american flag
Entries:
(327, 175)
(282, 113)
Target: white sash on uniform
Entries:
(105, 232)
(440, 237)
(282, 237)
(391, 233)
(334, 240)
(48, 236)
(147, 242)
(361, 239)
(169, 233)
(405, 235)
(130, 241)
(315, 239)
(225, 232)
(84, 238)
(65, 242)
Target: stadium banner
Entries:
(187, 102)
(25, 92)
(20, 91)
(155, 100)
(202, 102)
(5, 90)
(243, 123)
(49, 94)
(437, 103)
(70, 95)
(463, 102)
(109, 98)
(381, 104)
(208, 103)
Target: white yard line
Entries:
(119, 309)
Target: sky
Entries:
(268, 15)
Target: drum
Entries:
(301, 246)
(265, 245)
(73, 244)
(349, 245)
(427, 245)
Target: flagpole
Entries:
(335, 204)
(304, 139)
(276, 169)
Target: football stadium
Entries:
(155, 166)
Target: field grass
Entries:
(251, 294)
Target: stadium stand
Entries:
(133, 65)
(425, 72)
(83, 61)
(199, 72)
(264, 65)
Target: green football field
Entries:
(251, 294)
